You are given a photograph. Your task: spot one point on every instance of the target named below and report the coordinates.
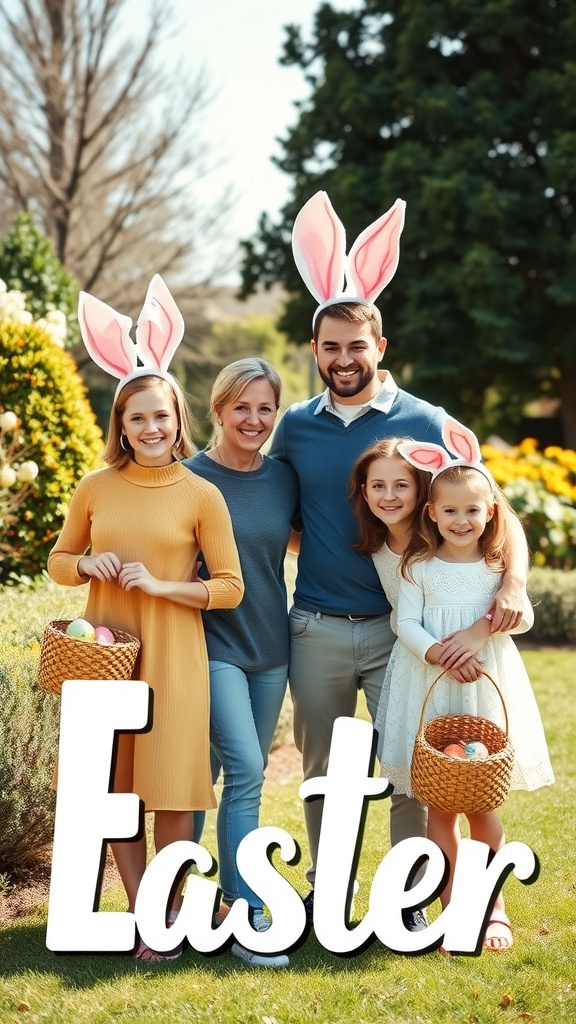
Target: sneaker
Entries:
(415, 920)
(308, 902)
(259, 959)
(260, 923)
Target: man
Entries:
(340, 630)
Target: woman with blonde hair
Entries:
(247, 647)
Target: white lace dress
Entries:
(445, 597)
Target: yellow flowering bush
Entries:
(43, 392)
(541, 487)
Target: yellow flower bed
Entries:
(541, 487)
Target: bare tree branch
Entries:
(101, 141)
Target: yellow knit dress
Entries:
(161, 517)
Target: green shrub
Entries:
(553, 594)
(40, 383)
(28, 264)
(28, 740)
(28, 720)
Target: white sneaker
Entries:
(260, 923)
(259, 959)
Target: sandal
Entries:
(156, 957)
(505, 941)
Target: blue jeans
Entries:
(244, 712)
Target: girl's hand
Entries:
(469, 672)
(464, 644)
(134, 574)
(105, 567)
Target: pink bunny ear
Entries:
(373, 258)
(461, 441)
(319, 247)
(423, 455)
(106, 335)
(160, 327)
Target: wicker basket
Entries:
(66, 657)
(461, 785)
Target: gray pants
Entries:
(331, 657)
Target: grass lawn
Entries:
(535, 981)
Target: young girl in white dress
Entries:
(451, 569)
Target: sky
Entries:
(239, 43)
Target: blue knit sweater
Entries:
(262, 503)
(332, 577)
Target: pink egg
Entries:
(455, 749)
(81, 629)
(104, 635)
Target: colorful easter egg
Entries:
(104, 635)
(81, 630)
(476, 750)
(455, 749)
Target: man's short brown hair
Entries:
(357, 312)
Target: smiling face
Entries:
(347, 355)
(391, 491)
(461, 511)
(248, 422)
(150, 426)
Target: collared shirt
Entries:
(382, 400)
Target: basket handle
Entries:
(446, 670)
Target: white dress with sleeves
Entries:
(445, 597)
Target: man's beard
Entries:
(344, 387)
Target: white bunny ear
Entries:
(425, 455)
(160, 327)
(319, 247)
(106, 335)
(461, 441)
(373, 258)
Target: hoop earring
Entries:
(122, 445)
(219, 423)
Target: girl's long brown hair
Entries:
(426, 538)
(373, 532)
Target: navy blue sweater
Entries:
(332, 577)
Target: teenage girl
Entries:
(133, 532)
(451, 569)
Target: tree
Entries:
(465, 108)
(99, 142)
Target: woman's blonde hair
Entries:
(426, 538)
(373, 532)
(232, 380)
(114, 454)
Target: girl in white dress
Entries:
(451, 569)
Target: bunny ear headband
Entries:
(431, 457)
(319, 247)
(106, 335)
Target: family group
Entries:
(410, 563)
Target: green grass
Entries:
(534, 981)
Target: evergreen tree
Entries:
(465, 108)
